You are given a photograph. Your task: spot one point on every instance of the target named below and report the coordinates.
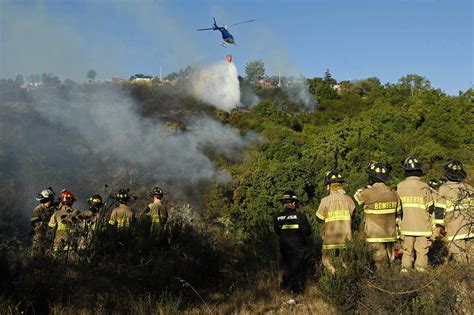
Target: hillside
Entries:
(229, 169)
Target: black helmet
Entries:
(45, 195)
(411, 164)
(333, 177)
(378, 170)
(434, 183)
(289, 196)
(157, 191)
(454, 171)
(123, 195)
(95, 200)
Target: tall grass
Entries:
(184, 269)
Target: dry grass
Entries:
(262, 295)
(184, 271)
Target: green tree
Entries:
(366, 121)
(255, 70)
(91, 74)
(414, 83)
(322, 89)
(329, 79)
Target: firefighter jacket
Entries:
(292, 227)
(458, 201)
(90, 220)
(336, 211)
(381, 204)
(121, 216)
(157, 211)
(62, 222)
(416, 203)
(40, 219)
(42, 214)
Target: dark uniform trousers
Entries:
(294, 232)
(294, 265)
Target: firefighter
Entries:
(335, 210)
(40, 219)
(294, 233)
(157, 211)
(381, 204)
(458, 203)
(417, 206)
(122, 215)
(90, 219)
(63, 223)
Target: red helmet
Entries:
(67, 197)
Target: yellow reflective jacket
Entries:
(457, 199)
(62, 222)
(381, 204)
(336, 211)
(416, 202)
(122, 216)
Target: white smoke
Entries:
(109, 122)
(218, 85)
(94, 135)
(298, 92)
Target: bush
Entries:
(341, 289)
(439, 291)
(357, 288)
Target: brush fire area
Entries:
(237, 184)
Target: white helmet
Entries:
(45, 195)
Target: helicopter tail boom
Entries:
(213, 28)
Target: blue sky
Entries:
(354, 39)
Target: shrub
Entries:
(439, 291)
(354, 264)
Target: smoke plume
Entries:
(93, 135)
(218, 85)
(298, 92)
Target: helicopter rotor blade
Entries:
(205, 29)
(242, 22)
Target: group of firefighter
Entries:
(59, 228)
(414, 214)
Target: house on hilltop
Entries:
(141, 78)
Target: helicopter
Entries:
(226, 35)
